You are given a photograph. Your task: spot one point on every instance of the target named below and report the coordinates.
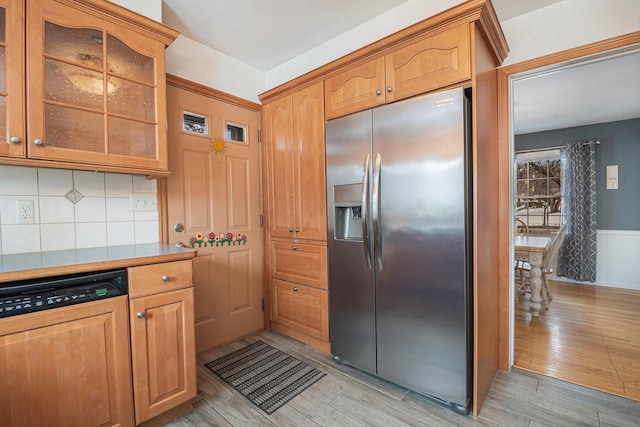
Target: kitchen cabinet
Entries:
(297, 221)
(435, 61)
(96, 79)
(294, 138)
(12, 94)
(162, 337)
(460, 47)
(299, 294)
(67, 367)
(301, 308)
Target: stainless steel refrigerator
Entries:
(398, 204)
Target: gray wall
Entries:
(619, 145)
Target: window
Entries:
(539, 189)
(195, 123)
(235, 132)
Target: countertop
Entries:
(44, 264)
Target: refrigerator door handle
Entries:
(364, 211)
(376, 212)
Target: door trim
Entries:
(505, 154)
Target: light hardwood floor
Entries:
(347, 397)
(590, 335)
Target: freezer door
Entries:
(351, 291)
(422, 286)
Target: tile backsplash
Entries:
(73, 209)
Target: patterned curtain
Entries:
(577, 255)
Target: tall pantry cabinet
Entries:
(296, 250)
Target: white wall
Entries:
(559, 26)
(196, 62)
(568, 24)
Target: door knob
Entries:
(290, 230)
(165, 278)
(14, 140)
(294, 248)
(178, 228)
(378, 92)
(180, 245)
(297, 230)
(38, 141)
(389, 89)
(295, 289)
(140, 315)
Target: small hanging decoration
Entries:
(218, 145)
(218, 239)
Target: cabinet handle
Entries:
(38, 141)
(165, 278)
(294, 247)
(389, 89)
(290, 230)
(140, 315)
(378, 92)
(297, 230)
(295, 289)
(14, 140)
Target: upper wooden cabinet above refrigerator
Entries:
(95, 80)
(434, 61)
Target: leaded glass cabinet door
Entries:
(12, 124)
(96, 90)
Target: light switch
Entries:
(612, 177)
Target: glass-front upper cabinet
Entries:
(12, 122)
(96, 88)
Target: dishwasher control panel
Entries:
(35, 295)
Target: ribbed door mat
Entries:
(266, 376)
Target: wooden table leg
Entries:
(535, 260)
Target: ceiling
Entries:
(265, 34)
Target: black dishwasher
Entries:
(27, 296)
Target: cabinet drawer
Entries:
(355, 89)
(155, 278)
(300, 263)
(437, 61)
(301, 307)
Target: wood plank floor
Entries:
(590, 335)
(347, 397)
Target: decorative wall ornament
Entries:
(217, 239)
(218, 145)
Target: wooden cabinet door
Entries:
(281, 154)
(300, 307)
(437, 61)
(96, 89)
(67, 367)
(310, 182)
(355, 89)
(163, 352)
(12, 121)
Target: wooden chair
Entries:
(523, 267)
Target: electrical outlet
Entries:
(144, 202)
(24, 211)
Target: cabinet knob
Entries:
(389, 89)
(294, 248)
(290, 230)
(38, 141)
(378, 92)
(295, 289)
(14, 140)
(297, 230)
(140, 315)
(165, 278)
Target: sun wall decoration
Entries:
(218, 145)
